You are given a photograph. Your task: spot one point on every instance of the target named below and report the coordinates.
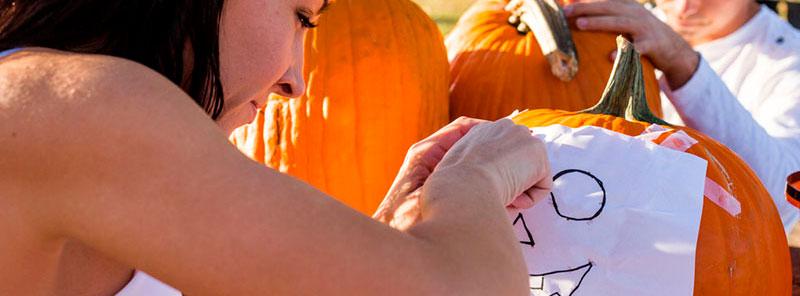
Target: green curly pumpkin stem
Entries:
(624, 95)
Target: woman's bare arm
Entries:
(109, 153)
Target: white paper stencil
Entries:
(622, 219)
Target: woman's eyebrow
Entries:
(325, 5)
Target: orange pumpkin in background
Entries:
(378, 80)
(736, 255)
(495, 69)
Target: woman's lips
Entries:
(254, 110)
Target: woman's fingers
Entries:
(521, 202)
(407, 213)
(542, 188)
(532, 196)
(451, 133)
(431, 150)
(535, 194)
(420, 161)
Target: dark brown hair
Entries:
(156, 33)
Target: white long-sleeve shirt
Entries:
(746, 95)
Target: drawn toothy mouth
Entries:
(559, 283)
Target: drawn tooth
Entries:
(560, 282)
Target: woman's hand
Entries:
(504, 157)
(668, 51)
(400, 209)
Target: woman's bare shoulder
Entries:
(47, 78)
(80, 127)
(68, 108)
(59, 95)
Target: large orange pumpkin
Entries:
(736, 255)
(495, 69)
(378, 78)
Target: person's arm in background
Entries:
(768, 141)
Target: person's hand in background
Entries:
(668, 50)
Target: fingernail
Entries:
(581, 22)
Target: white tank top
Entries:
(143, 284)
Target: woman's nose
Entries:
(291, 84)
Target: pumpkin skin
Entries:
(378, 80)
(496, 70)
(744, 255)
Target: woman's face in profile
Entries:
(261, 51)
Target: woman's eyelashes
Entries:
(305, 20)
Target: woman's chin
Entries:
(231, 121)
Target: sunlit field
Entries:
(444, 12)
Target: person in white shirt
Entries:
(731, 69)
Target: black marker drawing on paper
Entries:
(528, 239)
(540, 284)
(577, 217)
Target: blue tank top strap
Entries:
(9, 52)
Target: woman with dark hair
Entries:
(108, 166)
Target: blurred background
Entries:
(446, 12)
(788, 9)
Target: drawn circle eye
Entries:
(578, 195)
